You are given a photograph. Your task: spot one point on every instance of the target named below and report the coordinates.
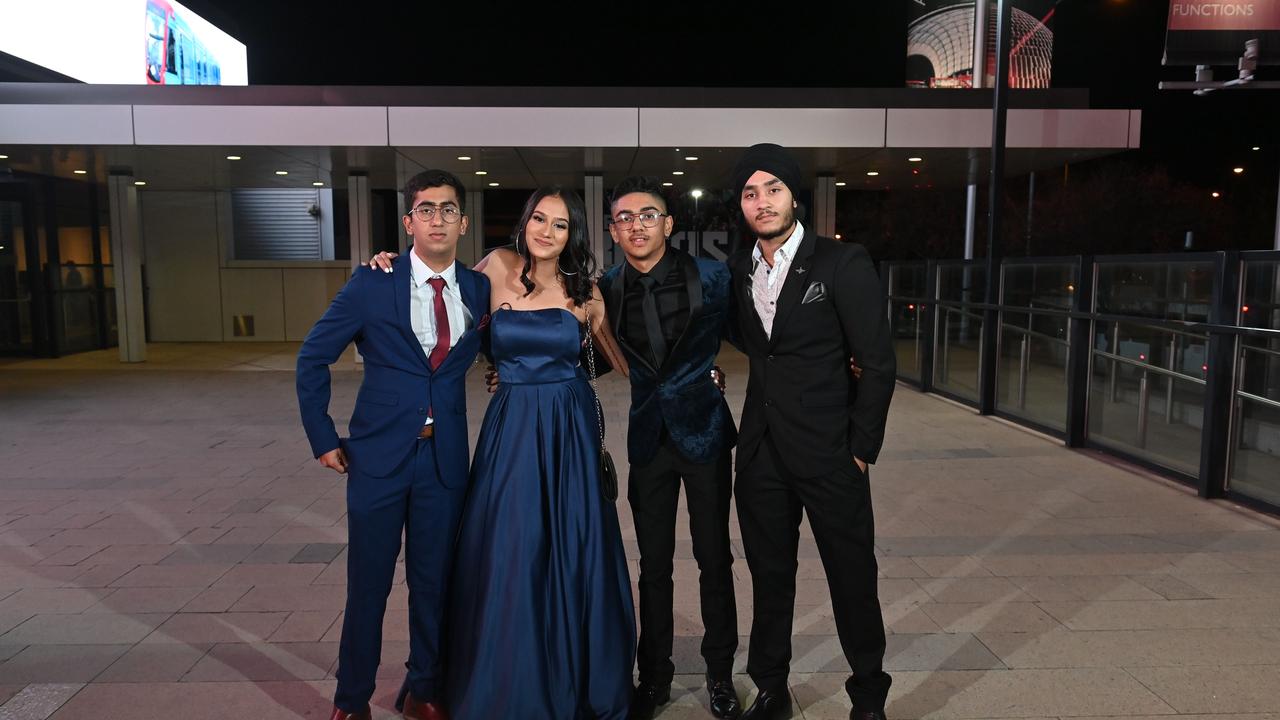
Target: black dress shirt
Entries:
(672, 298)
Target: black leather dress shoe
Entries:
(646, 700)
(724, 699)
(865, 715)
(769, 706)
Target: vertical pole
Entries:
(1219, 393)
(999, 126)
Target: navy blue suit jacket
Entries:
(399, 386)
(680, 394)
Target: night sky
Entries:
(1112, 47)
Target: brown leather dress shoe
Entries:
(340, 714)
(415, 709)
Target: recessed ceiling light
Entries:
(841, 183)
(1216, 194)
(233, 157)
(691, 158)
(4, 157)
(464, 157)
(872, 173)
(915, 159)
(482, 172)
(493, 184)
(667, 184)
(282, 172)
(1238, 170)
(139, 183)
(1256, 148)
(677, 172)
(317, 183)
(81, 172)
(696, 193)
(838, 236)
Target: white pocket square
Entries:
(816, 292)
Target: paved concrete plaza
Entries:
(169, 549)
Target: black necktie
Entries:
(652, 325)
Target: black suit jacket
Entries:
(801, 389)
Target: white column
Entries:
(361, 222)
(824, 206)
(593, 196)
(126, 260)
(471, 244)
(970, 220)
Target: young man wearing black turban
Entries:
(808, 431)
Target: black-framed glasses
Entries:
(448, 213)
(647, 219)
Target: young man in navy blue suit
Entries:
(669, 311)
(407, 459)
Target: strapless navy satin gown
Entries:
(542, 625)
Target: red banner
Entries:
(1194, 15)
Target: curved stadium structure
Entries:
(940, 49)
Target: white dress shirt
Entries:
(422, 297)
(767, 281)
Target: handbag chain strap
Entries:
(591, 366)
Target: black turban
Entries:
(773, 159)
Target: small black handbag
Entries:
(608, 471)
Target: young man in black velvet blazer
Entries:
(808, 431)
(669, 311)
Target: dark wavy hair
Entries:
(576, 264)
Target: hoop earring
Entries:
(562, 272)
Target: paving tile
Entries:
(200, 701)
(292, 575)
(977, 617)
(8, 691)
(38, 701)
(192, 554)
(225, 627)
(261, 662)
(52, 600)
(1141, 615)
(146, 600)
(1176, 647)
(318, 553)
(59, 663)
(172, 576)
(154, 662)
(303, 626)
(87, 629)
(288, 598)
(215, 600)
(1223, 690)
(1020, 693)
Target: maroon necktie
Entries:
(441, 349)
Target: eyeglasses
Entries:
(647, 219)
(448, 213)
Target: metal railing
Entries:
(1097, 310)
